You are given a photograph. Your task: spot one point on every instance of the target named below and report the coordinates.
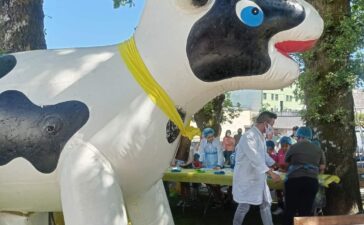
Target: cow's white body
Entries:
(123, 121)
(111, 168)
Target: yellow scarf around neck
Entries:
(156, 93)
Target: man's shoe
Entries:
(278, 211)
(216, 205)
(180, 203)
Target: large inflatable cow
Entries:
(80, 132)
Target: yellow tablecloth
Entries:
(208, 177)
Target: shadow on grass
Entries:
(193, 214)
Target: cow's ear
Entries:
(193, 5)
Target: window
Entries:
(287, 98)
(290, 98)
(265, 96)
(272, 96)
(276, 97)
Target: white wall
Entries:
(243, 121)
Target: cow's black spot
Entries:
(172, 130)
(220, 46)
(7, 63)
(36, 133)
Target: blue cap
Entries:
(270, 144)
(304, 132)
(208, 131)
(285, 140)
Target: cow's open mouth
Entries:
(287, 47)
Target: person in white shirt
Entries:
(252, 164)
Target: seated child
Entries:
(285, 142)
(196, 161)
(270, 149)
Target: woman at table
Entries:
(211, 154)
(228, 144)
(304, 162)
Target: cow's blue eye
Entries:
(252, 16)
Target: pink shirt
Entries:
(281, 155)
(228, 144)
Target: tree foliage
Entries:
(342, 67)
(217, 111)
(118, 3)
(331, 71)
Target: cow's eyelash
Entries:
(199, 3)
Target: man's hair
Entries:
(266, 117)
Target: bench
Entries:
(330, 220)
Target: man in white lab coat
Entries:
(251, 170)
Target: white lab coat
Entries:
(251, 164)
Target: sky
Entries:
(84, 23)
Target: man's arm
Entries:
(248, 144)
(269, 161)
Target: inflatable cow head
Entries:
(216, 46)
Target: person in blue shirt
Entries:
(212, 157)
(211, 154)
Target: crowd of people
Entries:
(255, 156)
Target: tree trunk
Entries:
(209, 116)
(21, 25)
(183, 149)
(330, 106)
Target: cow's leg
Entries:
(14, 218)
(90, 193)
(151, 207)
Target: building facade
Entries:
(281, 100)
